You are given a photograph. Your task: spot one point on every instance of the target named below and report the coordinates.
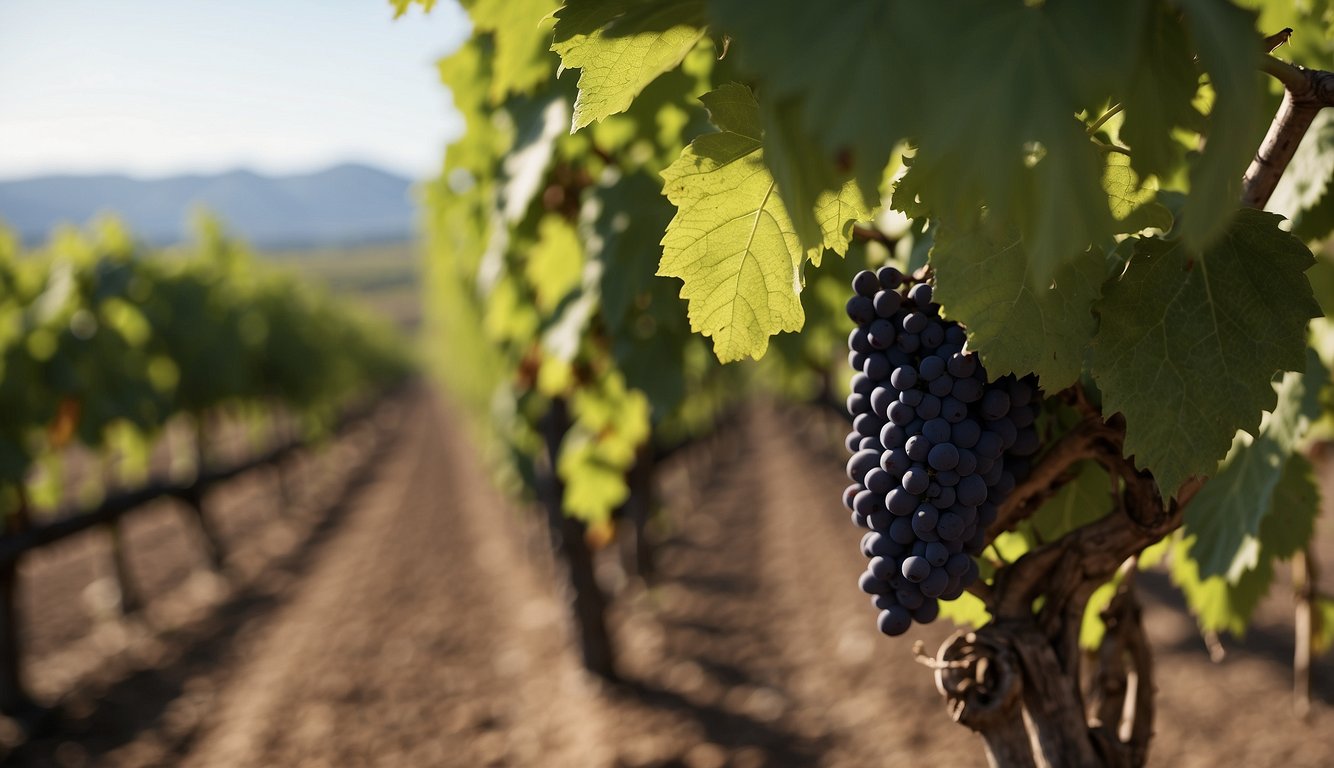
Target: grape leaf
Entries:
(826, 205)
(1217, 604)
(1290, 522)
(610, 422)
(1188, 342)
(1015, 327)
(622, 46)
(731, 241)
(1224, 37)
(801, 50)
(1225, 516)
(521, 28)
(1159, 93)
(645, 319)
(1133, 200)
(967, 610)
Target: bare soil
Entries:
(400, 612)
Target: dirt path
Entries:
(418, 626)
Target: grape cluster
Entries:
(935, 447)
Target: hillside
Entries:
(347, 203)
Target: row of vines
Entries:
(120, 370)
(1089, 191)
(102, 345)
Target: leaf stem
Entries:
(1113, 111)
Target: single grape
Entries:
(908, 342)
(876, 366)
(934, 583)
(868, 543)
(865, 283)
(950, 527)
(942, 457)
(915, 322)
(920, 294)
(887, 303)
(930, 368)
(918, 447)
(866, 502)
(946, 497)
(890, 278)
(900, 414)
(860, 463)
(868, 424)
(954, 411)
(937, 554)
(879, 482)
(941, 386)
(915, 568)
(932, 336)
(962, 366)
(927, 613)
(909, 596)
(859, 340)
(850, 493)
(948, 478)
(862, 384)
(880, 335)
(967, 390)
(882, 568)
(912, 397)
(967, 462)
(861, 310)
(963, 434)
(900, 531)
(894, 621)
(900, 502)
(915, 481)
(937, 431)
(903, 377)
(972, 491)
(869, 584)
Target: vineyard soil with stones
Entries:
(405, 614)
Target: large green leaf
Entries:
(1225, 516)
(983, 281)
(1188, 342)
(622, 46)
(732, 242)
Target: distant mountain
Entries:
(345, 204)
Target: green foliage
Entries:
(731, 242)
(1225, 515)
(1017, 327)
(1188, 342)
(103, 344)
(620, 47)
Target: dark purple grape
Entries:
(941, 386)
(920, 294)
(915, 481)
(861, 310)
(915, 568)
(857, 360)
(934, 583)
(942, 457)
(903, 377)
(859, 341)
(865, 283)
(937, 554)
(950, 527)
(900, 414)
(894, 621)
(887, 303)
(972, 490)
(862, 384)
(932, 336)
(909, 596)
(967, 390)
(892, 436)
(868, 424)
(873, 586)
(915, 322)
(937, 431)
(908, 342)
(880, 335)
(963, 434)
(946, 497)
(948, 478)
(882, 568)
(860, 463)
(917, 447)
(929, 408)
(900, 531)
(911, 397)
(853, 441)
(927, 613)
(900, 502)
(866, 502)
(876, 367)
(890, 278)
(868, 543)
(858, 404)
(895, 462)
(930, 368)
(850, 493)
(879, 482)
(953, 410)
(962, 366)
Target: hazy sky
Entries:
(153, 87)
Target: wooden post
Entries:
(130, 601)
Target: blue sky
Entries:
(153, 87)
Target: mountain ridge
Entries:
(345, 203)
